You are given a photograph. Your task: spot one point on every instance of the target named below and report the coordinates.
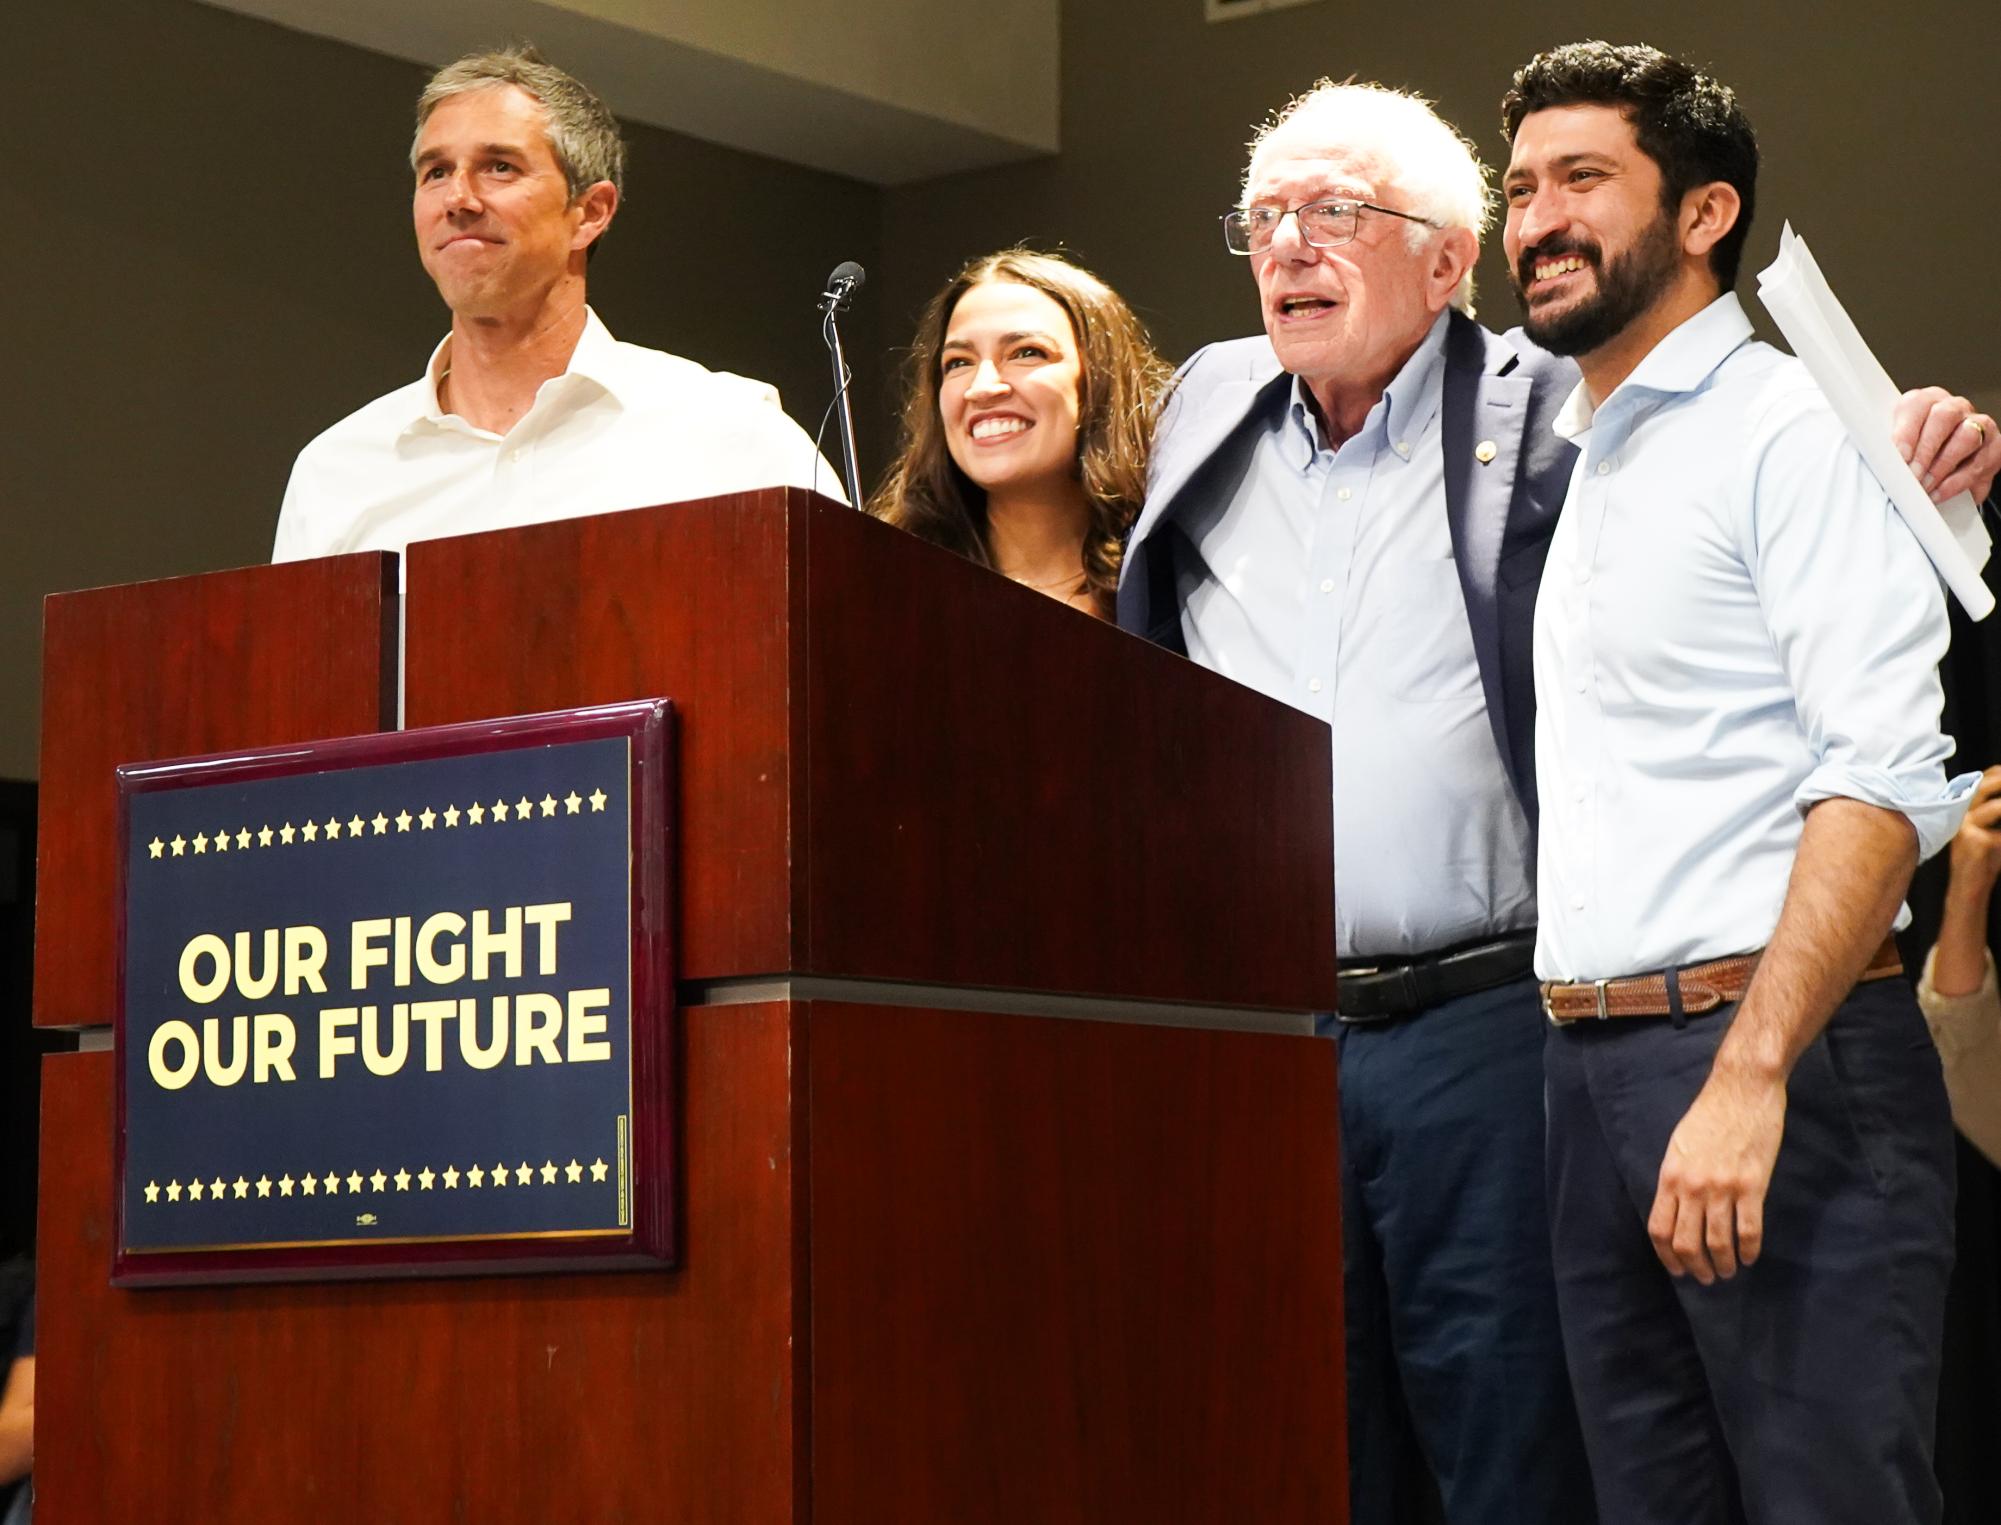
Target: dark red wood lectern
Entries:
(1010, 1181)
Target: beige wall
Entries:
(985, 67)
(885, 91)
(210, 255)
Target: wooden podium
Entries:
(1010, 1189)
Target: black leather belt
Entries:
(1379, 990)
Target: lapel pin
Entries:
(1485, 451)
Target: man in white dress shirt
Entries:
(529, 410)
(1738, 753)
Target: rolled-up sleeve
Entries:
(1859, 620)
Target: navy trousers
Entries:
(1803, 1390)
(1455, 1361)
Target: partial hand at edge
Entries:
(1952, 446)
(1959, 962)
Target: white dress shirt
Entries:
(622, 427)
(1326, 580)
(1733, 625)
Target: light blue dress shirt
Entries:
(1326, 580)
(1733, 625)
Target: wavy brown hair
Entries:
(1120, 386)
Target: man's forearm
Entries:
(1853, 866)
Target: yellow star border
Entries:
(477, 1176)
(245, 838)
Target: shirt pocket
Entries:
(1414, 643)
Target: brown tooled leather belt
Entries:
(1701, 987)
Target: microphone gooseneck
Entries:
(843, 281)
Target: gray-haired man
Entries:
(529, 410)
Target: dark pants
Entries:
(1804, 1388)
(1455, 1363)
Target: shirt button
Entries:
(1313, 685)
(1326, 585)
(1604, 468)
(1403, 447)
(1343, 494)
(1577, 903)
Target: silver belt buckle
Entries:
(1604, 1007)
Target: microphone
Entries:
(843, 282)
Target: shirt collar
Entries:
(595, 359)
(1681, 362)
(1405, 409)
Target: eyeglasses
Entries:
(1323, 224)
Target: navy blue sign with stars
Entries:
(381, 1003)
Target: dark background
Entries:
(21, 1047)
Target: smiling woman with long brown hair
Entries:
(1026, 425)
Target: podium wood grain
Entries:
(907, 767)
(1072, 1272)
(937, 1264)
(176, 668)
(941, 1266)
(635, 1396)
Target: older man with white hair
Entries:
(1351, 512)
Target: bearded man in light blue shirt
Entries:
(1740, 764)
(1350, 511)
